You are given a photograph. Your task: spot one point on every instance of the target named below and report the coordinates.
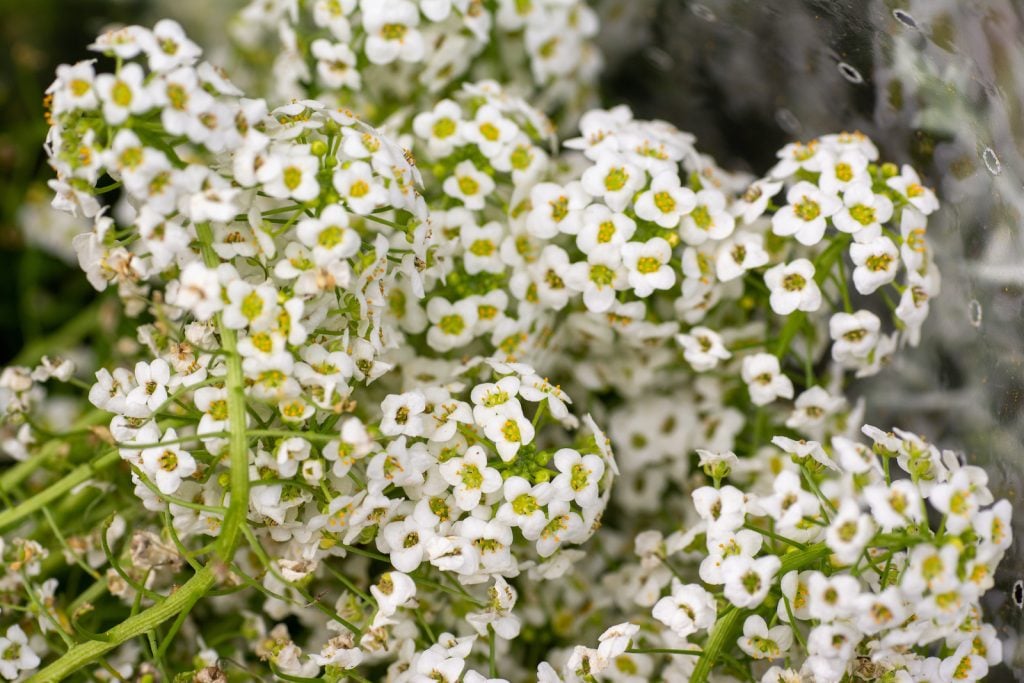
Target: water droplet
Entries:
(995, 167)
(788, 121)
(704, 12)
(660, 59)
(849, 73)
(974, 311)
(904, 18)
(1018, 593)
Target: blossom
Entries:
(877, 263)
(469, 185)
(687, 610)
(703, 348)
(471, 477)
(764, 379)
(793, 287)
(805, 213)
(168, 464)
(15, 654)
(747, 581)
(391, 32)
(666, 201)
(647, 263)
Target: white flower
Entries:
(908, 184)
(562, 526)
(406, 541)
(452, 323)
(123, 94)
(468, 185)
(555, 209)
(812, 407)
(895, 505)
(876, 612)
(168, 465)
(615, 640)
(961, 497)
(482, 252)
(391, 32)
(440, 128)
(494, 399)
(797, 156)
(167, 47)
(666, 201)
(793, 287)
(392, 590)
(724, 509)
(688, 610)
(753, 202)
(602, 226)
(329, 235)
(361, 192)
(805, 213)
(578, 478)
(877, 264)
(703, 348)
(830, 598)
(613, 180)
(150, 392)
(471, 477)
(250, 306)
(760, 642)
(764, 379)
(748, 581)
(854, 335)
(804, 449)
(737, 255)
(524, 506)
(863, 213)
(509, 431)
(647, 263)
(291, 172)
(913, 307)
(598, 278)
(489, 130)
(707, 220)
(403, 414)
(964, 665)
(336, 64)
(15, 654)
(844, 172)
(723, 543)
(198, 290)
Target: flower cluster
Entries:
(348, 425)
(838, 570)
(387, 58)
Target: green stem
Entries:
(81, 655)
(238, 447)
(81, 473)
(723, 633)
(70, 334)
(10, 479)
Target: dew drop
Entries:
(992, 163)
(904, 18)
(660, 59)
(788, 121)
(1018, 593)
(704, 12)
(974, 311)
(849, 73)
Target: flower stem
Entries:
(723, 633)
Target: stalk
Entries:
(723, 633)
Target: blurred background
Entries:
(936, 83)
